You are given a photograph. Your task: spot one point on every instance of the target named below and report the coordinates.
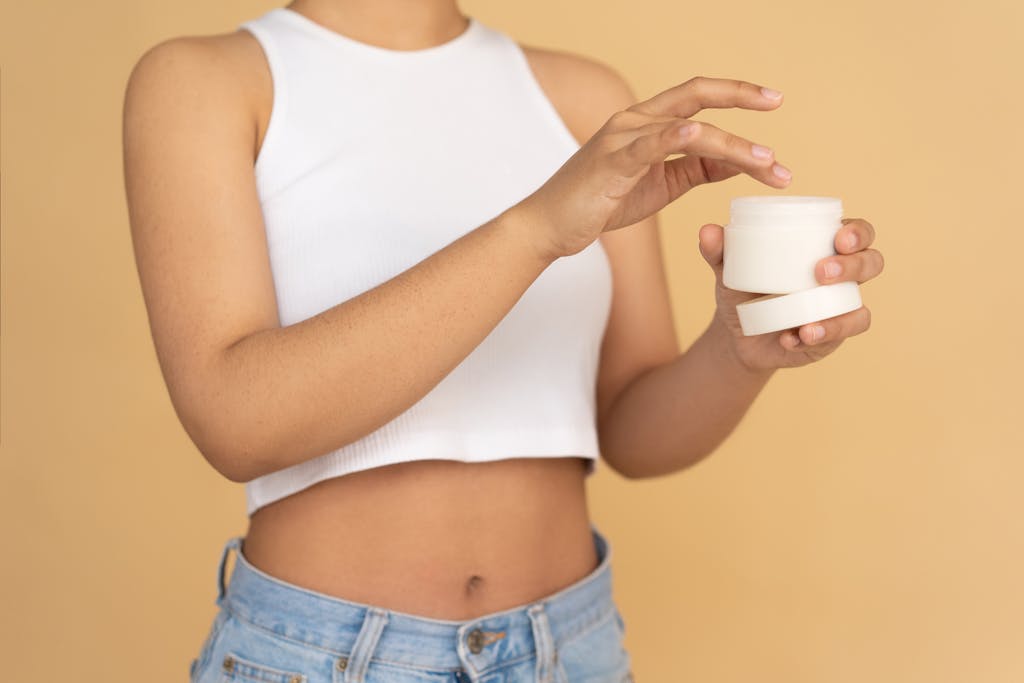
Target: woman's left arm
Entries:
(676, 413)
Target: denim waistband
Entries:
(339, 625)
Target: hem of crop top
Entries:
(429, 445)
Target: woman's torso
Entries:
(437, 538)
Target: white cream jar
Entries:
(771, 246)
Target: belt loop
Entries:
(233, 543)
(366, 643)
(543, 642)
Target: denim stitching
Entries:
(237, 614)
(261, 670)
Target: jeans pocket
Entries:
(238, 668)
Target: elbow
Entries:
(233, 464)
(621, 458)
(639, 467)
(625, 471)
(634, 473)
(229, 448)
(623, 466)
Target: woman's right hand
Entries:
(620, 175)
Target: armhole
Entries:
(543, 102)
(279, 98)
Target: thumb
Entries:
(710, 240)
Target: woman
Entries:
(404, 281)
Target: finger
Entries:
(701, 92)
(711, 142)
(690, 171)
(789, 339)
(709, 241)
(839, 327)
(855, 234)
(705, 143)
(634, 150)
(860, 266)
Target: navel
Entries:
(473, 582)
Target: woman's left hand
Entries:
(808, 343)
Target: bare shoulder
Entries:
(220, 74)
(204, 61)
(584, 90)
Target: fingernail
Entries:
(781, 171)
(771, 94)
(832, 269)
(760, 152)
(851, 240)
(817, 332)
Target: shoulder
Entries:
(217, 77)
(196, 59)
(584, 90)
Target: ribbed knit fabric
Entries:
(373, 160)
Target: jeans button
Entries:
(475, 640)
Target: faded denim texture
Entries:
(276, 632)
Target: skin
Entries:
(443, 539)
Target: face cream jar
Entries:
(772, 243)
(771, 246)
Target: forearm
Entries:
(288, 394)
(675, 414)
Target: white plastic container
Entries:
(772, 245)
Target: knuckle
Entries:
(864, 230)
(734, 144)
(874, 262)
(637, 148)
(618, 119)
(869, 229)
(696, 83)
(606, 144)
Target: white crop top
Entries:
(373, 160)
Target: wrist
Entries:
(724, 342)
(533, 231)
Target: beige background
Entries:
(865, 521)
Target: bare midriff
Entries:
(437, 538)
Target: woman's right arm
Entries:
(256, 397)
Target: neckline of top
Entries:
(473, 28)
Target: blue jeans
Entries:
(272, 631)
